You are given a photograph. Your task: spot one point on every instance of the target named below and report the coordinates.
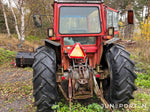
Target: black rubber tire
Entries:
(44, 79)
(122, 75)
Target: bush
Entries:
(6, 55)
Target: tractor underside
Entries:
(81, 80)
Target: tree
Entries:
(2, 22)
(16, 23)
(5, 17)
(139, 7)
(43, 8)
(21, 8)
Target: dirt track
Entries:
(13, 96)
(15, 83)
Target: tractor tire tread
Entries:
(122, 75)
(44, 79)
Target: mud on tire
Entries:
(44, 79)
(122, 75)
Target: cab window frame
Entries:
(113, 18)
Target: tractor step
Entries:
(24, 59)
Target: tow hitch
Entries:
(100, 95)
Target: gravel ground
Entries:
(13, 96)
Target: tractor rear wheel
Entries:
(122, 75)
(44, 79)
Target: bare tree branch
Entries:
(5, 17)
(16, 23)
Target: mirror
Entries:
(50, 32)
(111, 31)
(37, 21)
(130, 17)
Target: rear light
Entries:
(106, 37)
(97, 75)
(53, 38)
(77, 52)
(63, 78)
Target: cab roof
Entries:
(79, 1)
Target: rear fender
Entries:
(56, 46)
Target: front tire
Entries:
(44, 79)
(122, 75)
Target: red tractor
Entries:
(81, 56)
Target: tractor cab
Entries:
(79, 22)
(87, 22)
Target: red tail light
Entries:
(63, 78)
(97, 75)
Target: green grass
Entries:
(143, 80)
(143, 73)
(31, 38)
(143, 76)
(141, 102)
(28, 69)
(77, 107)
(6, 55)
(140, 64)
